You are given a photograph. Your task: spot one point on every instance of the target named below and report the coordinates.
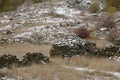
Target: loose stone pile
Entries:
(110, 51)
(117, 42)
(30, 58)
(36, 58)
(73, 45)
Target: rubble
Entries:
(7, 61)
(71, 46)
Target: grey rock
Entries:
(72, 45)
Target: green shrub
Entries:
(8, 5)
(94, 8)
(114, 3)
(7, 8)
(110, 9)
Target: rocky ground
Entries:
(35, 27)
(48, 22)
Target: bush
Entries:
(113, 35)
(82, 32)
(94, 8)
(107, 22)
(114, 3)
(8, 5)
(110, 9)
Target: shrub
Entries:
(94, 8)
(114, 3)
(8, 5)
(113, 35)
(108, 22)
(82, 32)
(110, 9)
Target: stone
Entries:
(117, 41)
(72, 45)
(7, 32)
(36, 58)
(108, 51)
(8, 60)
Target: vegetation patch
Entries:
(82, 32)
(94, 8)
(114, 3)
(9, 5)
(107, 22)
(110, 9)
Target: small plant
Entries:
(94, 8)
(107, 22)
(113, 35)
(82, 32)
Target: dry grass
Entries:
(21, 49)
(91, 62)
(56, 69)
(100, 43)
(95, 63)
(52, 71)
(44, 72)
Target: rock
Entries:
(3, 40)
(7, 32)
(108, 51)
(31, 58)
(117, 41)
(103, 29)
(8, 61)
(72, 45)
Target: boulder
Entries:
(117, 41)
(31, 58)
(8, 60)
(72, 45)
(108, 51)
(3, 41)
(7, 32)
